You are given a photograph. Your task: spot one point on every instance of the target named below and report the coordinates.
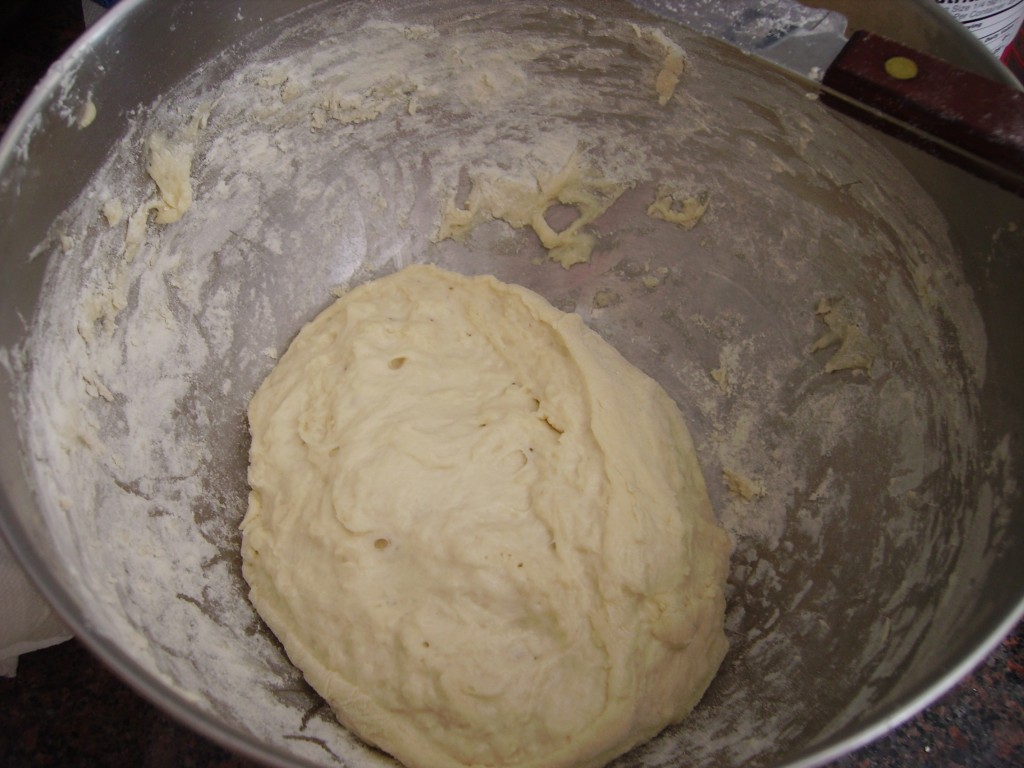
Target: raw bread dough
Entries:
(524, 202)
(482, 535)
(856, 351)
(169, 165)
(672, 66)
(113, 211)
(677, 208)
(746, 488)
(88, 114)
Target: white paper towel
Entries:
(27, 623)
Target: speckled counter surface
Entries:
(65, 709)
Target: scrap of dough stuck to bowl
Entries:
(482, 535)
(525, 201)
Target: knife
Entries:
(964, 118)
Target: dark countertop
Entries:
(65, 709)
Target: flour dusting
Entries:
(330, 155)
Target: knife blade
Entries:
(964, 118)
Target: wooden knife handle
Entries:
(966, 117)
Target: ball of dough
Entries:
(481, 534)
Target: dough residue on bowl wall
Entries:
(339, 148)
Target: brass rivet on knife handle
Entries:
(958, 115)
(901, 67)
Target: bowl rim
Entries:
(178, 706)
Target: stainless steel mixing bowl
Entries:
(875, 510)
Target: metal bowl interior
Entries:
(874, 508)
